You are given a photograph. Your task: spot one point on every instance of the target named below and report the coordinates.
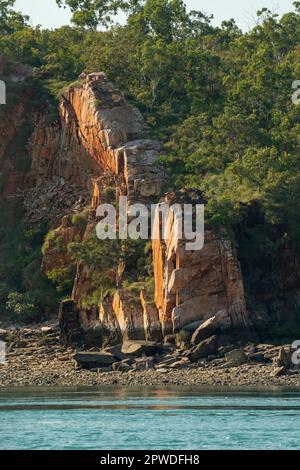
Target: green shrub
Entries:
(80, 220)
(23, 306)
(108, 194)
(53, 241)
(63, 279)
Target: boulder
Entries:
(115, 351)
(140, 348)
(219, 322)
(121, 366)
(143, 363)
(183, 362)
(94, 359)
(284, 359)
(167, 361)
(46, 329)
(278, 372)
(259, 358)
(236, 357)
(204, 349)
(183, 337)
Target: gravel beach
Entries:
(34, 357)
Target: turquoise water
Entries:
(149, 419)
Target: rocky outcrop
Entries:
(114, 135)
(57, 151)
(69, 323)
(204, 287)
(194, 286)
(129, 314)
(144, 180)
(152, 325)
(119, 318)
(104, 119)
(96, 150)
(98, 132)
(109, 320)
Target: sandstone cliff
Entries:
(97, 132)
(195, 286)
(101, 142)
(101, 135)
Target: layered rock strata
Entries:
(195, 286)
(100, 142)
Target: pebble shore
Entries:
(36, 358)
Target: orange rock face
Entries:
(98, 142)
(57, 152)
(101, 134)
(129, 314)
(98, 132)
(152, 325)
(193, 286)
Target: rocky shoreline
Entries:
(35, 357)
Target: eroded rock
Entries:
(284, 358)
(278, 372)
(192, 286)
(236, 357)
(203, 350)
(217, 323)
(90, 359)
(139, 348)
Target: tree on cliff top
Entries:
(91, 13)
(159, 16)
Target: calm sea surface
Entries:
(161, 418)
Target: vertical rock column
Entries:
(194, 286)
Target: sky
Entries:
(47, 14)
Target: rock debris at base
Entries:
(36, 358)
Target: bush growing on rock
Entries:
(80, 220)
(63, 279)
(113, 263)
(54, 241)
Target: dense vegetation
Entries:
(218, 98)
(24, 294)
